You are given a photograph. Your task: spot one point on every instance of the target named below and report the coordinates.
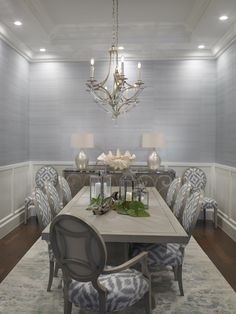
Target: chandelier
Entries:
(114, 94)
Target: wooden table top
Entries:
(160, 227)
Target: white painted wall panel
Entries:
(5, 193)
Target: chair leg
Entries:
(51, 271)
(56, 270)
(179, 278)
(175, 272)
(67, 306)
(148, 303)
(102, 303)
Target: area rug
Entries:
(206, 291)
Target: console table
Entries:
(160, 178)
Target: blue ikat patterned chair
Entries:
(180, 200)
(172, 192)
(53, 198)
(65, 192)
(44, 174)
(44, 216)
(81, 253)
(172, 254)
(197, 178)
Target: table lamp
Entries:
(81, 141)
(154, 141)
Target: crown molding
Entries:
(199, 9)
(225, 42)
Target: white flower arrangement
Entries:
(117, 161)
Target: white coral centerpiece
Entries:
(117, 161)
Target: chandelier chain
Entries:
(115, 23)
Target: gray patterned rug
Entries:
(206, 291)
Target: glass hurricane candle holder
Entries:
(126, 188)
(100, 185)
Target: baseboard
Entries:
(11, 222)
(228, 227)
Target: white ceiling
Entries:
(149, 29)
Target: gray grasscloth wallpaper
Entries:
(179, 101)
(226, 108)
(14, 111)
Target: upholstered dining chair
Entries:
(172, 192)
(44, 216)
(88, 283)
(53, 198)
(65, 192)
(44, 174)
(197, 178)
(181, 199)
(172, 254)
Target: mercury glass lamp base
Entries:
(81, 160)
(154, 161)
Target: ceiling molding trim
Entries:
(199, 9)
(225, 42)
(40, 14)
(14, 47)
(130, 59)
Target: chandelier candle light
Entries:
(114, 94)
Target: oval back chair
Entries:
(81, 253)
(65, 192)
(53, 198)
(172, 192)
(46, 173)
(180, 200)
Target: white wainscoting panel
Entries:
(14, 187)
(225, 194)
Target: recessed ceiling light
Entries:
(42, 49)
(201, 46)
(223, 18)
(121, 48)
(18, 23)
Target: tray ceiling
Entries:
(151, 29)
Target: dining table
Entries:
(119, 231)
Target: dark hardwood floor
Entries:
(216, 244)
(14, 246)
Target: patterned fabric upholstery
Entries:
(209, 202)
(196, 177)
(123, 289)
(65, 190)
(191, 212)
(172, 191)
(171, 254)
(53, 198)
(42, 208)
(160, 254)
(180, 201)
(46, 173)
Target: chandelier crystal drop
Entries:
(114, 94)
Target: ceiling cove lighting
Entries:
(201, 46)
(223, 18)
(18, 23)
(114, 94)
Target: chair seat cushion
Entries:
(123, 290)
(160, 254)
(208, 202)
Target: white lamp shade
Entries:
(82, 140)
(153, 140)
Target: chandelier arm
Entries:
(104, 90)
